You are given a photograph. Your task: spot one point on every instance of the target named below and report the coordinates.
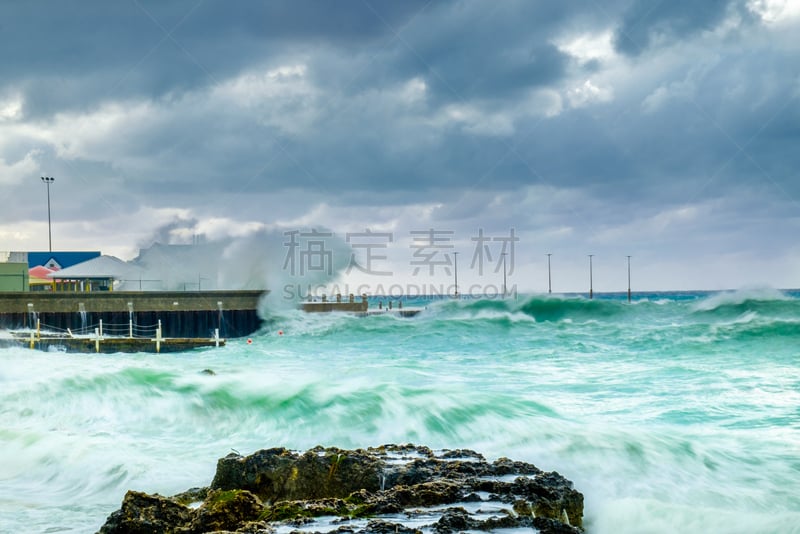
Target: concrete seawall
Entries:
(182, 313)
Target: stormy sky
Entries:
(667, 130)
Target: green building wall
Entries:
(13, 277)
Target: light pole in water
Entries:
(629, 278)
(591, 291)
(549, 280)
(504, 274)
(455, 265)
(49, 180)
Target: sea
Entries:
(678, 412)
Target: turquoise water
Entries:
(679, 412)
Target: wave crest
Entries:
(765, 301)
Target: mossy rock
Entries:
(285, 511)
(146, 514)
(277, 488)
(225, 510)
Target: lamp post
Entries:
(629, 278)
(49, 180)
(504, 274)
(591, 291)
(455, 265)
(549, 280)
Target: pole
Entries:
(591, 290)
(130, 320)
(549, 280)
(49, 221)
(455, 264)
(504, 274)
(629, 278)
(49, 180)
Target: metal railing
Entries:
(100, 332)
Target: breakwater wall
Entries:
(181, 313)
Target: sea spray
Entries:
(254, 258)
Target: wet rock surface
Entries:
(389, 489)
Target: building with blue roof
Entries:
(60, 259)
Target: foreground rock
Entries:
(391, 489)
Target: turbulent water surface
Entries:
(679, 412)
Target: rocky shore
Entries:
(393, 489)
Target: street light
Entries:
(629, 278)
(504, 274)
(549, 280)
(591, 292)
(49, 180)
(455, 264)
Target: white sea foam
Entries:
(663, 426)
(740, 296)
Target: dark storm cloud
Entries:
(730, 126)
(658, 22)
(582, 124)
(351, 134)
(472, 50)
(72, 54)
(464, 50)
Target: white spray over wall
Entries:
(270, 259)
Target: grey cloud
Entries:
(467, 50)
(399, 103)
(647, 21)
(72, 54)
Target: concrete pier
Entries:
(183, 314)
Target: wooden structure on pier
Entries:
(349, 306)
(360, 308)
(103, 344)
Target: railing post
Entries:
(158, 338)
